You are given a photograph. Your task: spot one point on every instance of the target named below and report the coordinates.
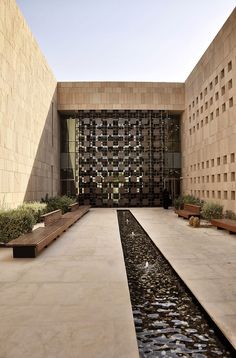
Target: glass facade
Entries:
(120, 158)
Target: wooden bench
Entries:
(189, 210)
(51, 217)
(31, 244)
(74, 206)
(226, 224)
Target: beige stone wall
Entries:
(120, 95)
(209, 123)
(29, 137)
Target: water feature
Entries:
(168, 320)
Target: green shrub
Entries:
(14, 223)
(190, 199)
(59, 202)
(229, 214)
(36, 208)
(212, 211)
(187, 199)
(178, 202)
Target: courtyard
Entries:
(73, 299)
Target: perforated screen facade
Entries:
(120, 158)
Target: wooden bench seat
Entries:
(189, 210)
(31, 244)
(226, 224)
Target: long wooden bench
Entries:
(31, 244)
(189, 210)
(226, 224)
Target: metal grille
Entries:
(120, 157)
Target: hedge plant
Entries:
(187, 199)
(36, 208)
(14, 223)
(59, 202)
(211, 211)
(229, 214)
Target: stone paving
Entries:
(73, 301)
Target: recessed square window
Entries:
(216, 80)
(225, 159)
(223, 107)
(225, 195)
(230, 84)
(222, 74)
(230, 66)
(231, 102)
(232, 195)
(222, 90)
(232, 157)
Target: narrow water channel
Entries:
(168, 320)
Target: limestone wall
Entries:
(209, 124)
(29, 137)
(120, 95)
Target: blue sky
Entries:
(124, 40)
